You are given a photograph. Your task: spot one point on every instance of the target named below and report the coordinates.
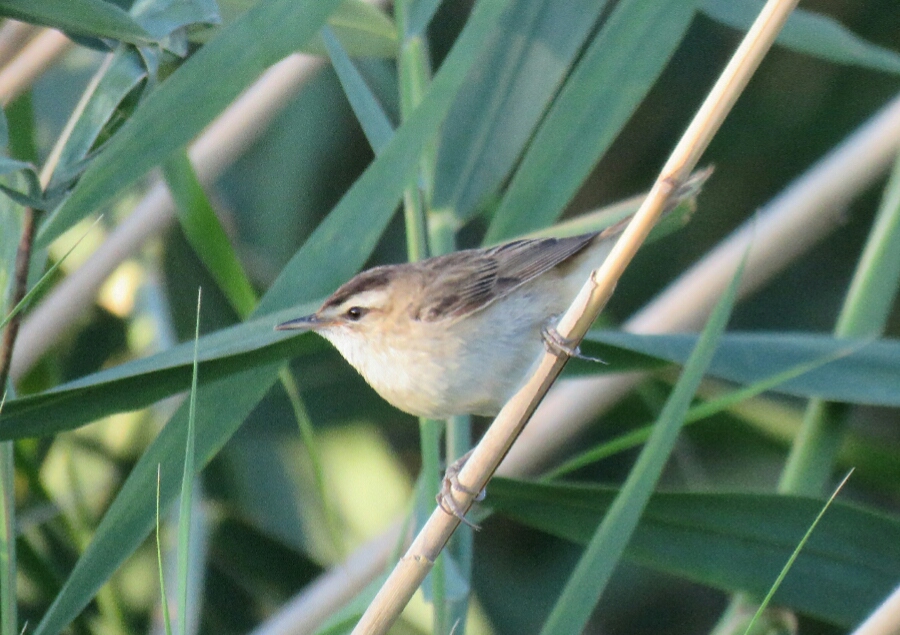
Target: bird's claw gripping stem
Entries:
(559, 345)
(450, 482)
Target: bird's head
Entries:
(361, 307)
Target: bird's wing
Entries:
(467, 281)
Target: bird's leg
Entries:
(559, 345)
(450, 482)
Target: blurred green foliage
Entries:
(281, 204)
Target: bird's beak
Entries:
(305, 323)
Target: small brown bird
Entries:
(457, 334)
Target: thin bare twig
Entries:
(20, 288)
(418, 561)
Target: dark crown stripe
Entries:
(366, 281)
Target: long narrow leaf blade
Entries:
(866, 374)
(862, 372)
(811, 33)
(96, 18)
(223, 404)
(734, 541)
(240, 53)
(8, 567)
(614, 75)
(204, 231)
(378, 191)
(362, 28)
(371, 116)
(118, 76)
(790, 563)
(574, 606)
(509, 90)
(187, 489)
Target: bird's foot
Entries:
(450, 482)
(559, 345)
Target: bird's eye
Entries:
(355, 313)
